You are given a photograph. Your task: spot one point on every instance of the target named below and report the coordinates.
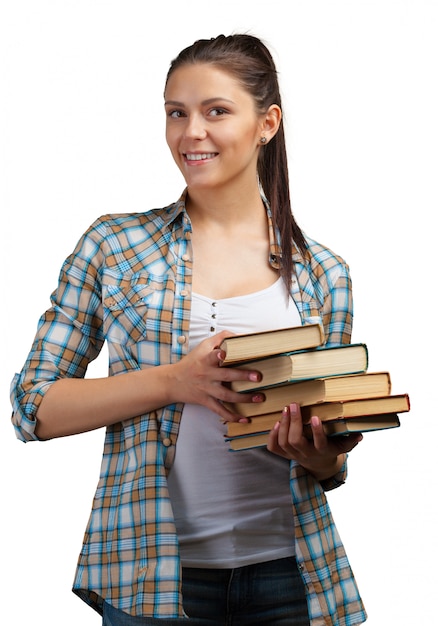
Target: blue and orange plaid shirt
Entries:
(128, 282)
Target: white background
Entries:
(82, 134)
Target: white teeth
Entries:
(200, 157)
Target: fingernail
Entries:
(254, 376)
(314, 420)
(293, 407)
(258, 397)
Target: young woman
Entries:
(183, 531)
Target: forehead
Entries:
(205, 80)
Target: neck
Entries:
(226, 207)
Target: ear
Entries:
(271, 121)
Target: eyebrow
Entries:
(204, 102)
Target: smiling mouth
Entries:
(200, 157)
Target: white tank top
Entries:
(231, 508)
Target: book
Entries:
(332, 428)
(257, 345)
(367, 423)
(260, 423)
(358, 407)
(320, 362)
(366, 385)
(350, 409)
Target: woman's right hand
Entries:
(198, 378)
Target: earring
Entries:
(263, 140)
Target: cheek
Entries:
(168, 136)
(248, 144)
(248, 135)
(172, 142)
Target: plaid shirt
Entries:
(128, 283)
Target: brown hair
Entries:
(248, 59)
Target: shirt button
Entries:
(185, 257)
(181, 339)
(167, 442)
(184, 293)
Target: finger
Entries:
(225, 394)
(320, 439)
(273, 444)
(290, 431)
(283, 428)
(225, 414)
(230, 374)
(219, 337)
(295, 434)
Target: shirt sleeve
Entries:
(333, 290)
(337, 310)
(338, 322)
(69, 334)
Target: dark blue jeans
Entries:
(265, 594)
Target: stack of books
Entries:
(333, 383)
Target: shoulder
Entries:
(320, 256)
(321, 266)
(115, 238)
(149, 220)
(127, 229)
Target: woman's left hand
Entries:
(322, 456)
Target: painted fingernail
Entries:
(258, 397)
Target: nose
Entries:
(195, 127)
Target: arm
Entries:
(323, 457)
(51, 396)
(337, 305)
(89, 404)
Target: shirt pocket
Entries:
(136, 307)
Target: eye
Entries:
(175, 113)
(217, 112)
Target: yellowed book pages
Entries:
(366, 385)
(263, 344)
(307, 364)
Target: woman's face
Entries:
(212, 127)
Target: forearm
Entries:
(73, 406)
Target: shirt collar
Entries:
(178, 209)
